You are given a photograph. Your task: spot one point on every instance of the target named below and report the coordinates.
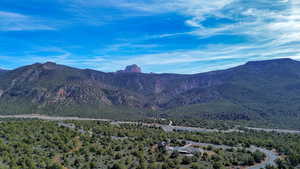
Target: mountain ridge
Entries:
(260, 90)
(2, 70)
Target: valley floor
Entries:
(36, 141)
(166, 128)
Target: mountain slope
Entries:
(266, 91)
(2, 71)
(51, 88)
(261, 90)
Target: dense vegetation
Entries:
(87, 144)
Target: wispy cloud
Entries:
(10, 21)
(278, 19)
(213, 57)
(52, 53)
(270, 29)
(195, 9)
(127, 46)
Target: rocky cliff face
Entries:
(131, 69)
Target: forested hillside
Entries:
(264, 91)
(91, 145)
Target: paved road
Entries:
(270, 160)
(271, 156)
(167, 128)
(274, 130)
(43, 117)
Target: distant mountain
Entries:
(257, 91)
(2, 70)
(131, 69)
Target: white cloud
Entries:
(257, 20)
(214, 57)
(128, 46)
(196, 9)
(271, 28)
(10, 21)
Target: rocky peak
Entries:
(269, 62)
(131, 69)
(49, 65)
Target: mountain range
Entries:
(266, 91)
(2, 70)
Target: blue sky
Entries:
(176, 36)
